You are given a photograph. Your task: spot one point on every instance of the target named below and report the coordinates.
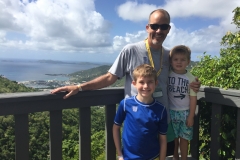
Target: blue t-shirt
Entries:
(142, 125)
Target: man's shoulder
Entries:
(139, 44)
(166, 50)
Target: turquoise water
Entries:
(26, 70)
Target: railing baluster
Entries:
(110, 111)
(194, 143)
(56, 135)
(237, 151)
(21, 137)
(21, 104)
(215, 131)
(84, 133)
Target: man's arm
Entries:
(117, 140)
(163, 146)
(97, 83)
(195, 85)
(193, 103)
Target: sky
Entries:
(97, 30)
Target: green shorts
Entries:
(178, 120)
(170, 133)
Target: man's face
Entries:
(157, 36)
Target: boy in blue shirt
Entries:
(182, 99)
(145, 120)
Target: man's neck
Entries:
(145, 100)
(154, 46)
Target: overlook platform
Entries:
(21, 104)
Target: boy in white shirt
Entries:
(182, 99)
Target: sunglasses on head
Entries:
(157, 26)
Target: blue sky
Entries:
(97, 30)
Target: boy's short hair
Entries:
(181, 49)
(144, 70)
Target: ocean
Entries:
(27, 70)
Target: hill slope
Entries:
(87, 75)
(7, 86)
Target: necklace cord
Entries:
(151, 59)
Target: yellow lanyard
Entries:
(150, 57)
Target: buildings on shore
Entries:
(45, 84)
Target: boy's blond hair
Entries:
(181, 49)
(144, 70)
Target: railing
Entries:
(218, 98)
(21, 104)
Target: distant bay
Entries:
(29, 70)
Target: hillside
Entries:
(7, 86)
(87, 75)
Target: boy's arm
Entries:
(117, 139)
(195, 85)
(193, 103)
(163, 146)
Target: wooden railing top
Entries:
(229, 97)
(19, 103)
(45, 101)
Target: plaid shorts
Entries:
(178, 120)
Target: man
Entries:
(149, 51)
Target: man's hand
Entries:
(97, 83)
(120, 158)
(195, 85)
(71, 89)
(190, 121)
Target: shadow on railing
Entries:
(21, 104)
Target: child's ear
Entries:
(134, 83)
(156, 82)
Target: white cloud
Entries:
(119, 41)
(201, 40)
(55, 25)
(75, 26)
(200, 8)
(134, 11)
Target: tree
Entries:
(39, 129)
(223, 72)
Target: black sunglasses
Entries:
(157, 26)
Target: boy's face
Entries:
(179, 63)
(145, 86)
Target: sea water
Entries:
(29, 70)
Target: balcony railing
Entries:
(21, 104)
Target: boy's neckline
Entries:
(148, 100)
(183, 72)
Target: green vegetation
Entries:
(223, 72)
(87, 75)
(39, 130)
(7, 86)
(7, 140)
